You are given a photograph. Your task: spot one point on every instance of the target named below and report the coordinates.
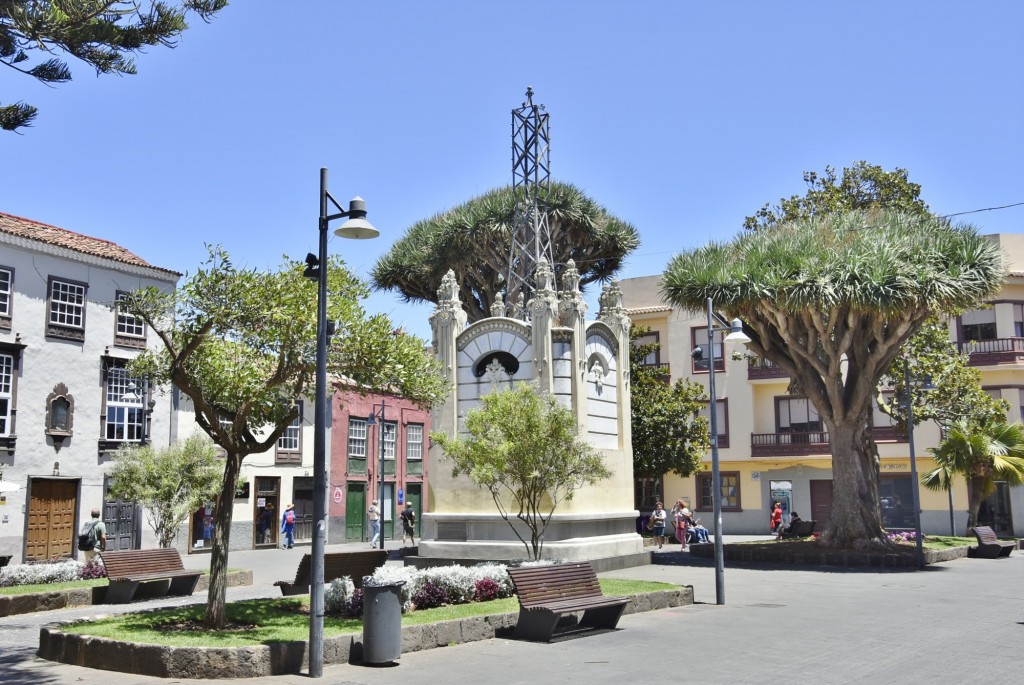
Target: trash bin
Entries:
(382, 621)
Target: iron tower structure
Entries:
(531, 182)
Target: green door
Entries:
(414, 494)
(355, 511)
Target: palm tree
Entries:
(982, 454)
(831, 299)
(474, 240)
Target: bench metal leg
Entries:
(183, 585)
(536, 624)
(121, 592)
(603, 617)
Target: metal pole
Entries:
(316, 587)
(381, 438)
(915, 484)
(716, 476)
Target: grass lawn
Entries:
(266, 621)
(51, 587)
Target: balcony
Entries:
(760, 368)
(887, 434)
(993, 352)
(661, 371)
(792, 444)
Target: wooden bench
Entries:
(800, 529)
(546, 593)
(160, 570)
(989, 546)
(336, 565)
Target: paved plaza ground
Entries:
(959, 621)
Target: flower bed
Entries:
(424, 588)
(65, 571)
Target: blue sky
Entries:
(681, 118)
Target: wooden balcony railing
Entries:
(789, 444)
(888, 434)
(993, 352)
(764, 368)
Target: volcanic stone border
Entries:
(89, 596)
(286, 657)
(809, 554)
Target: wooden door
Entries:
(821, 503)
(302, 498)
(355, 512)
(50, 529)
(121, 520)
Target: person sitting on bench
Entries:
(794, 518)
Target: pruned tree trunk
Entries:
(856, 517)
(216, 598)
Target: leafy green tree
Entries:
(956, 393)
(831, 300)
(982, 454)
(170, 482)
(474, 240)
(241, 344)
(104, 34)
(669, 434)
(862, 186)
(523, 447)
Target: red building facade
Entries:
(393, 443)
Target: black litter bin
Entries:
(382, 621)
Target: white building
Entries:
(66, 403)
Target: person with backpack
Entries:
(93, 538)
(288, 526)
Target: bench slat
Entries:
(336, 565)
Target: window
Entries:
(414, 441)
(653, 357)
(1018, 320)
(6, 392)
(699, 338)
(390, 435)
(979, 324)
(730, 491)
(131, 330)
(289, 445)
(357, 438)
(124, 407)
(796, 415)
(6, 291)
(646, 493)
(722, 419)
(66, 309)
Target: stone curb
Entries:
(89, 596)
(813, 557)
(288, 657)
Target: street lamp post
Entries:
(735, 334)
(915, 485)
(371, 420)
(357, 227)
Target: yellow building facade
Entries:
(773, 446)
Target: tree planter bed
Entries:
(288, 657)
(811, 554)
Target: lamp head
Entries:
(736, 333)
(357, 227)
(697, 353)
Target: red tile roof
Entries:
(60, 237)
